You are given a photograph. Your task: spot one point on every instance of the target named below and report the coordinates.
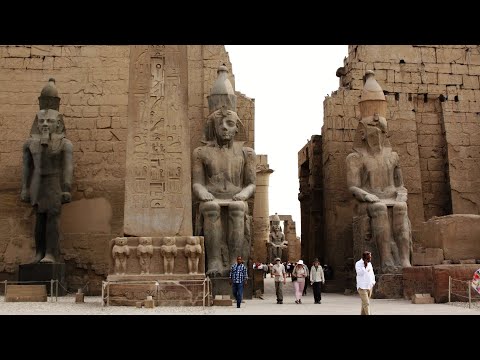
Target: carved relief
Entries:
(157, 140)
(193, 250)
(169, 252)
(120, 253)
(145, 253)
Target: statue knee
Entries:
(236, 208)
(210, 209)
(377, 209)
(400, 208)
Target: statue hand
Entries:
(206, 196)
(401, 196)
(372, 198)
(25, 195)
(66, 197)
(239, 197)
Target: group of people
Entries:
(301, 274)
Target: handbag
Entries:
(294, 278)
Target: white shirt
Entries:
(365, 275)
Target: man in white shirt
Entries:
(365, 280)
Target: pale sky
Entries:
(289, 84)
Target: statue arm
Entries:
(398, 180)
(27, 170)
(249, 176)
(354, 181)
(198, 178)
(67, 170)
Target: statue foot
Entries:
(38, 257)
(406, 263)
(49, 258)
(389, 269)
(214, 273)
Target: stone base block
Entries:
(149, 304)
(45, 272)
(26, 293)
(222, 302)
(79, 298)
(181, 291)
(221, 286)
(423, 299)
(388, 286)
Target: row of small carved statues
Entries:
(144, 250)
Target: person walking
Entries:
(278, 271)
(365, 280)
(317, 278)
(300, 272)
(238, 278)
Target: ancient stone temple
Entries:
(432, 107)
(134, 114)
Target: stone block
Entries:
(433, 256)
(222, 302)
(79, 298)
(423, 299)
(149, 304)
(26, 293)
(45, 272)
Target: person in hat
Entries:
(300, 272)
(280, 275)
(317, 278)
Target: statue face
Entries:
(47, 120)
(226, 127)
(121, 241)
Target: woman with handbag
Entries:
(300, 272)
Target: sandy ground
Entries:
(332, 304)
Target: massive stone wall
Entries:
(93, 85)
(433, 97)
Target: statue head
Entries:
(372, 132)
(121, 241)
(169, 240)
(276, 228)
(222, 126)
(145, 241)
(48, 98)
(193, 240)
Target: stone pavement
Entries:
(332, 304)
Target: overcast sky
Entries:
(289, 84)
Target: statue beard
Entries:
(44, 136)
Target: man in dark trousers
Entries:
(238, 278)
(317, 278)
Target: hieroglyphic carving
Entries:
(158, 169)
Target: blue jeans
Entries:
(238, 292)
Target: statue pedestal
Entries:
(177, 289)
(388, 286)
(221, 286)
(258, 280)
(44, 272)
(166, 290)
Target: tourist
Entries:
(238, 278)
(317, 278)
(300, 272)
(365, 280)
(278, 271)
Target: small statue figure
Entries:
(169, 252)
(47, 173)
(193, 249)
(120, 253)
(277, 242)
(145, 253)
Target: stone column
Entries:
(261, 227)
